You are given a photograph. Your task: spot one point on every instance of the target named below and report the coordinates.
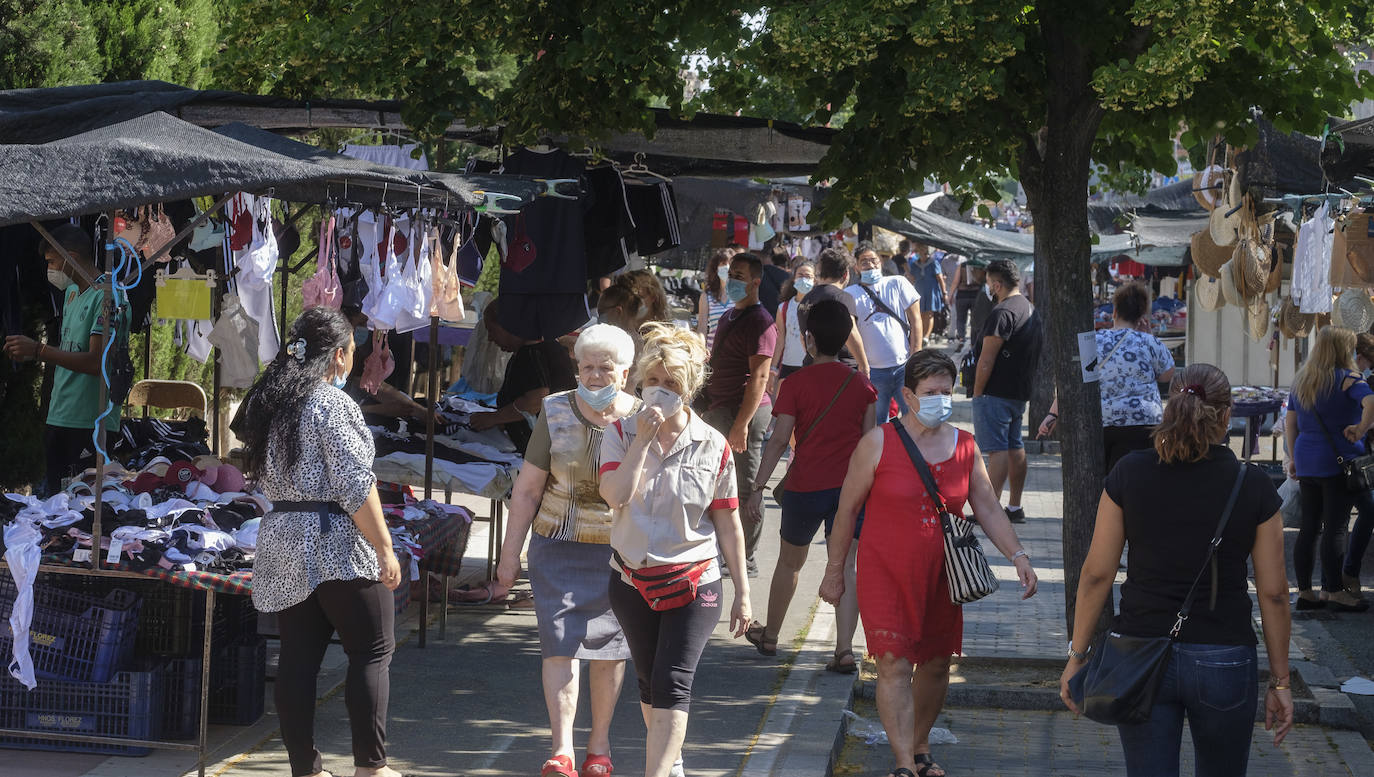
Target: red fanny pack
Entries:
(668, 586)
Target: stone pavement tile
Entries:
(1005, 743)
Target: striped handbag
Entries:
(966, 568)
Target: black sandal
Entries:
(901, 771)
(926, 763)
(756, 634)
(839, 667)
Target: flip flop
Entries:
(558, 766)
(596, 766)
(486, 594)
(925, 763)
(838, 667)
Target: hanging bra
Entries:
(448, 298)
(378, 366)
(322, 289)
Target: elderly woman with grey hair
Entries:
(557, 494)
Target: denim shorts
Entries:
(803, 512)
(997, 423)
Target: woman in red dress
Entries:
(910, 623)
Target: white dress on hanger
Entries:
(1311, 284)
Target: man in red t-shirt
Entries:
(827, 407)
(738, 405)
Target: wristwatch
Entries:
(1083, 656)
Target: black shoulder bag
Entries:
(882, 307)
(1359, 471)
(1118, 684)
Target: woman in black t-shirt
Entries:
(1164, 504)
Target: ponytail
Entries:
(1196, 415)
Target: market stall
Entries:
(153, 159)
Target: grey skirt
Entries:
(571, 601)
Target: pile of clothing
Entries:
(464, 460)
(197, 515)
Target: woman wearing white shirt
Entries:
(888, 310)
(791, 354)
(670, 480)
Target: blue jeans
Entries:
(1217, 686)
(997, 423)
(888, 381)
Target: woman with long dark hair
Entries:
(1164, 506)
(324, 558)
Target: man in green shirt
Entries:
(74, 403)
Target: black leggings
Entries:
(1326, 504)
(67, 452)
(364, 614)
(1117, 441)
(666, 645)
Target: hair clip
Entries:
(297, 350)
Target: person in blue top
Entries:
(926, 275)
(74, 402)
(1329, 410)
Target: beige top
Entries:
(567, 445)
(668, 520)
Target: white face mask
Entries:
(667, 400)
(60, 280)
(934, 410)
(723, 272)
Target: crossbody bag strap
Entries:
(1327, 432)
(922, 469)
(833, 400)
(1211, 552)
(1099, 362)
(883, 307)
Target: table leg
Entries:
(443, 606)
(491, 538)
(424, 607)
(205, 677)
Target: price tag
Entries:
(414, 569)
(81, 555)
(116, 548)
(189, 567)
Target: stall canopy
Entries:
(985, 245)
(705, 145)
(159, 158)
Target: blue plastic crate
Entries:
(238, 675)
(127, 706)
(73, 636)
(171, 620)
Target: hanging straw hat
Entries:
(1353, 310)
(1208, 292)
(1294, 323)
(1230, 287)
(1257, 318)
(1207, 255)
(1252, 267)
(1229, 215)
(1207, 186)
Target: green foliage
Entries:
(155, 39)
(46, 43)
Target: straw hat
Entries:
(1353, 310)
(1252, 267)
(1207, 255)
(1207, 186)
(1229, 216)
(1207, 290)
(1294, 323)
(1357, 245)
(1257, 318)
(1230, 286)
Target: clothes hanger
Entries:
(550, 188)
(494, 203)
(638, 168)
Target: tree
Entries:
(962, 91)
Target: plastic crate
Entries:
(73, 636)
(127, 706)
(238, 674)
(172, 620)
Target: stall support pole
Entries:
(432, 398)
(205, 678)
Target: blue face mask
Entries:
(736, 290)
(339, 382)
(599, 399)
(803, 285)
(935, 410)
(870, 277)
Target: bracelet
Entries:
(1051, 415)
(1278, 687)
(1019, 554)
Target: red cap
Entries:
(146, 483)
(181, 473)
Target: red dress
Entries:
(902, 589)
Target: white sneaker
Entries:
(676, 771)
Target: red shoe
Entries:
(558, 766)
(597, 766)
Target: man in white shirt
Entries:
(888, 311)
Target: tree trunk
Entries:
(1058, 194)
